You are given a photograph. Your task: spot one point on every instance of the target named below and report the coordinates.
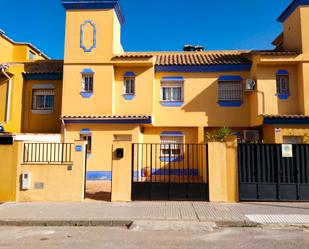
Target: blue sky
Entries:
(155, 25)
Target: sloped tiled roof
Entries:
(44, 67)
(286, 116)
(275, 53)
(192, 58)
(106, 117)
(201, 58)
(132, 55)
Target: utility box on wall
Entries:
(26, 180)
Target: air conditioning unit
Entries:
(250, 85)
(251, 135)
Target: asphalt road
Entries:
(121, 238)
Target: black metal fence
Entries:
(264, 174)
(169, 172)
(48, 153)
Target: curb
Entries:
(239, 223)
(128, 223)
(66, 223)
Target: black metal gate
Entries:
(265, 175)
(170, 172)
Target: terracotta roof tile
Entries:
(275, 53)
(44, 67)
(201, 58)
(106, 117)
(133, 55)
(286, 116)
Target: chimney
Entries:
(190, 48)
(199, 48)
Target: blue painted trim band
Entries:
(230, 103)
(172, 103)
(87, 71)
(43, 76)
(171, 159)
(86, 95)
(291, 8)
(99, 175)
(283, 96)
(128, 96)
(167, 79)
(230, 78)
(281, 121)
(129, 74)
(85, 132)
(172, 133)
(282, 72)
(164, 172)
(82, 31)
(211, 68)
(94, 4)
(108, 121)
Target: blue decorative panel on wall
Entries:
(88, 24)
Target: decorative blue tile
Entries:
(82, 31)
(171, 103)
(86, 95)
(128, 96)
(99, 175)
(171, 159)
(230, 103)
(282, 96)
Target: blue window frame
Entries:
(230, 91)
(283, 88)
(129, 85)
(87, 83)
(172, 91)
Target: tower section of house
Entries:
(105, 98)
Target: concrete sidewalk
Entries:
(105, 213)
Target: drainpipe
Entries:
(8, 110)
(64, 130)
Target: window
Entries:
(282, 83)
(87, 82)
(43, 99)
(129, 85)
(88, 138)
(32, 55)
(172, 92)
(171, 146)
(230, 91)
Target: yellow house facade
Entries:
(102, 94)
(178, 97)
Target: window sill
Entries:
(230, 103)
(172, 103)
(282, 96)
(86, 95)
(43, 112)
(171, 159)
(128, 96)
